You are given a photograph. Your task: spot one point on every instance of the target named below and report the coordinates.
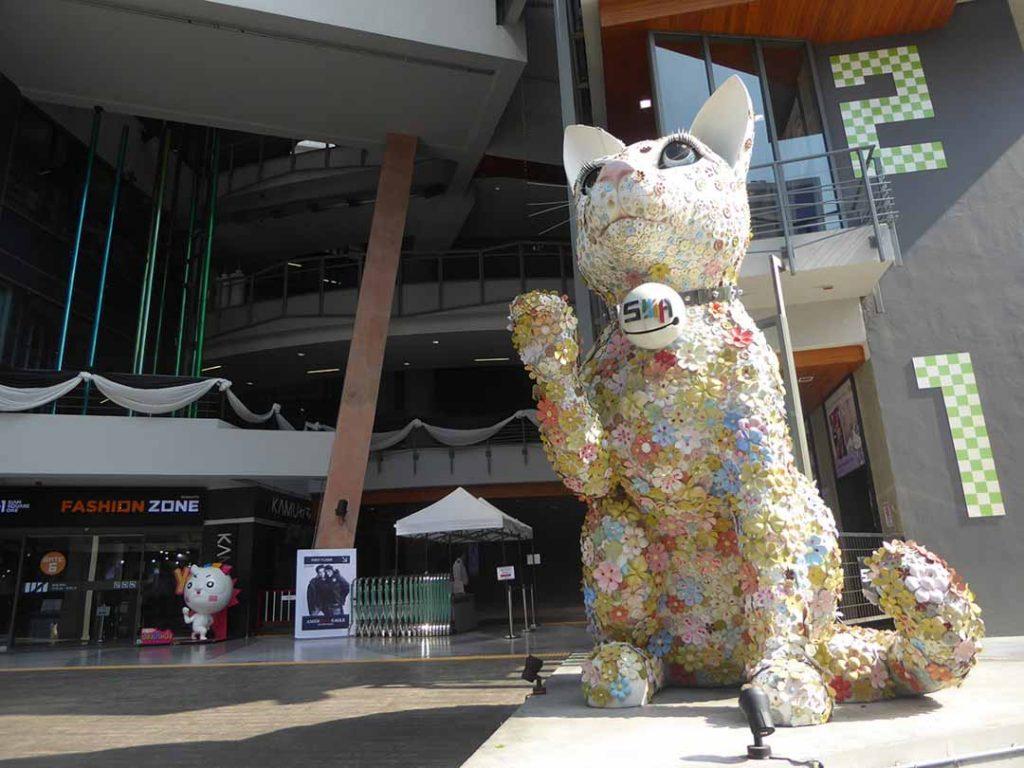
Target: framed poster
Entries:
(843, 423)
(323, 587)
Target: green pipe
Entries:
(142, 327)
(111, 218)
(167, 262)
(204, 279)
(86, 182)
(182, 311)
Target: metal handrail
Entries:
(477, 273)
(851, 191)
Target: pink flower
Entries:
(965, 651)
(741, 337)
(608, 576)
(692, 631)
(588, 452)
(879, 675)
(657, 558)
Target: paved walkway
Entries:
(705, 728)
(268, 702)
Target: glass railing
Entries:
(328, 285)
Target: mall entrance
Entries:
(91, 589)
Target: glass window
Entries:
(161, 604)
(681, 80)
(797, 120)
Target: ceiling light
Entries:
(406, 363)
(805, 380)
(301, 354)
(294, 264)
(490, 359)
(324, 370)
(827, 287)
(435, 341)
(212, 368)
(645, 103)
(250, 383)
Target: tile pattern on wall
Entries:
(954, 374)
(912, 101)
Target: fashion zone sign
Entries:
(97, 506)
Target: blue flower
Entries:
(689, 592)
(620, 689)
(613, 529)
(641, 485)
(817, 552)
(726, 479)
(660, 644)
(732, 420)
(589, 596)
(664, 434)
(748, 440)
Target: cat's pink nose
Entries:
(614, 171)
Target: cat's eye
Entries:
(189, 585)
(589, 178)
(677, 153)
(209, 584)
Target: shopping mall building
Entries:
(243, 189)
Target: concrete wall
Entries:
(961, 290)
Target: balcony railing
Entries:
(801, 201)
(328, 285)
(794, 204)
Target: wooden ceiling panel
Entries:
(820, 21)
(820, 371)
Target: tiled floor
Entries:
(268, 702)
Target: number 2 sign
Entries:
(911, 102)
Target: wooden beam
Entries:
(350, 448)
(487, 491)
(849, 354)
(615, 12)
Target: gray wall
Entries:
(961, 290)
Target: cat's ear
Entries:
(582, 144)
(726, 124)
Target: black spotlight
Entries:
(754, 703)
(531, 674)
(342, 509)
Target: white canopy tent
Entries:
(460, 517)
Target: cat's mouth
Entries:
(621, 219)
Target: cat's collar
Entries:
(698, 296)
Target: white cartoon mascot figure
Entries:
(208, 591)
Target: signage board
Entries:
(88, 507)
(323, 587)
(506, 573)
(843, 423)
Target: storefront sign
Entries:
(506, 573)
(323, 583)
(53, 563)
(844, 430)
(99, 506)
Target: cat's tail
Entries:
(938, 629)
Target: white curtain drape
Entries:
(246, 415)
(14, 399)
(444, 435)
(162, 400)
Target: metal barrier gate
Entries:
(402, 606)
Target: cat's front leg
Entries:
(544, 334)
(792, 549)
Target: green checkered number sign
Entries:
(955, 375)
(911, 102)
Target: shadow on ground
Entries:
(425, 738)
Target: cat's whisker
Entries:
(548, 210)
(553, 226)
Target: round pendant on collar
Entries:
(651, 315)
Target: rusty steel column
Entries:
(351, 446)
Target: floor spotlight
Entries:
(754, 703)
(531, 674)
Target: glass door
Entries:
(79, 589)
